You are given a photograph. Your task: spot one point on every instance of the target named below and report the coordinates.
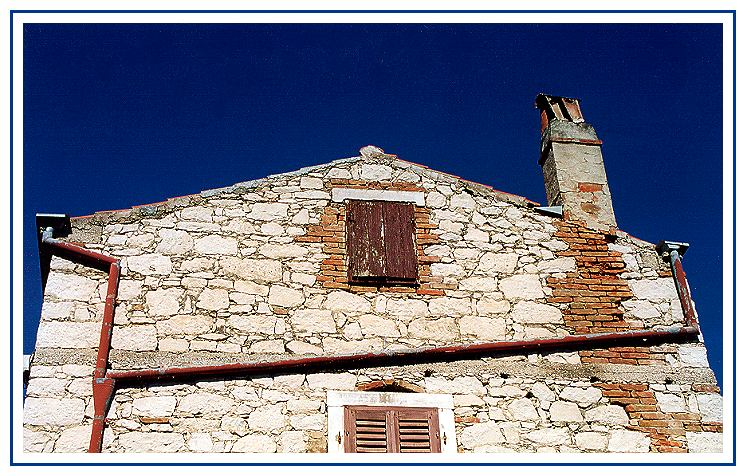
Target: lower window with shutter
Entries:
(391, 430)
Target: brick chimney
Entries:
(574, 173)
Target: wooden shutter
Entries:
(399, 237)
(381, 242)
(417, 430)
(365, 244)
(391, 430)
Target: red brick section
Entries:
(625, 355)
(667, 431)
(591, 297)
(330, 231)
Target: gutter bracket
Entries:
(555, 211)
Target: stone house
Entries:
(371, 304)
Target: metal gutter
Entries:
(407, 356)
(103, 388)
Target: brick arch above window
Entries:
(390, 385)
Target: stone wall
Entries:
(501, 405)
(243, 273)
(237, 272)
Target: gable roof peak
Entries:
(373, 152)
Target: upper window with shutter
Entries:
(391, 430)
(381, 246)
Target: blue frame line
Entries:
(12, 385)
(10, 429)
(735, 360)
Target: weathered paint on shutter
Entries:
(399, 237)
(391, 430)
(365, 242)
(367, 430)
(417, 430)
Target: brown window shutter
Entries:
(365, 242)
(417, 430)
(367, 430)
(391, 430)
(399, 236)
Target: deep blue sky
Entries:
(120, 115)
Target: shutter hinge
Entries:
(339, 438)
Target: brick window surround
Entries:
(331, 232)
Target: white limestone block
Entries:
(523, 409)
(70, 286)
(216, 245)
(268, 211)
(481, 434)
(213, 299)
(174, 242)
(253, 323)
(255, 444)
(659, 289)
(549, 436)
(521, 286)
(68, 335)
(150, 264)
(497, 263)
(609, 414)
(448, 306)
(529, 312)
(375, 172)
(346, 302)
(710, 406)
(160, 406)
(467, 385)
(152, 442)
(371, 324)
(584, 397)
(204, 404)
(73, 440)
(565, 411)
(163, 302)
(705, 442)
(442, 329)
(53, 411)
(138, 338)
(591, 440)
(484, 328)
(200, 443)
(285, 297)
(626, 441)
(288, 250)
(669, 402)
(328, 381)
(478, 283)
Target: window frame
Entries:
(338, 400)
(392, 418)
(387, 215)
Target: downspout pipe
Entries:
(103, 387)
(675, 250)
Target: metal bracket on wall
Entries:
(555, 211)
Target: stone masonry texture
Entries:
(258, 272)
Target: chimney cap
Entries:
(560, 107)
